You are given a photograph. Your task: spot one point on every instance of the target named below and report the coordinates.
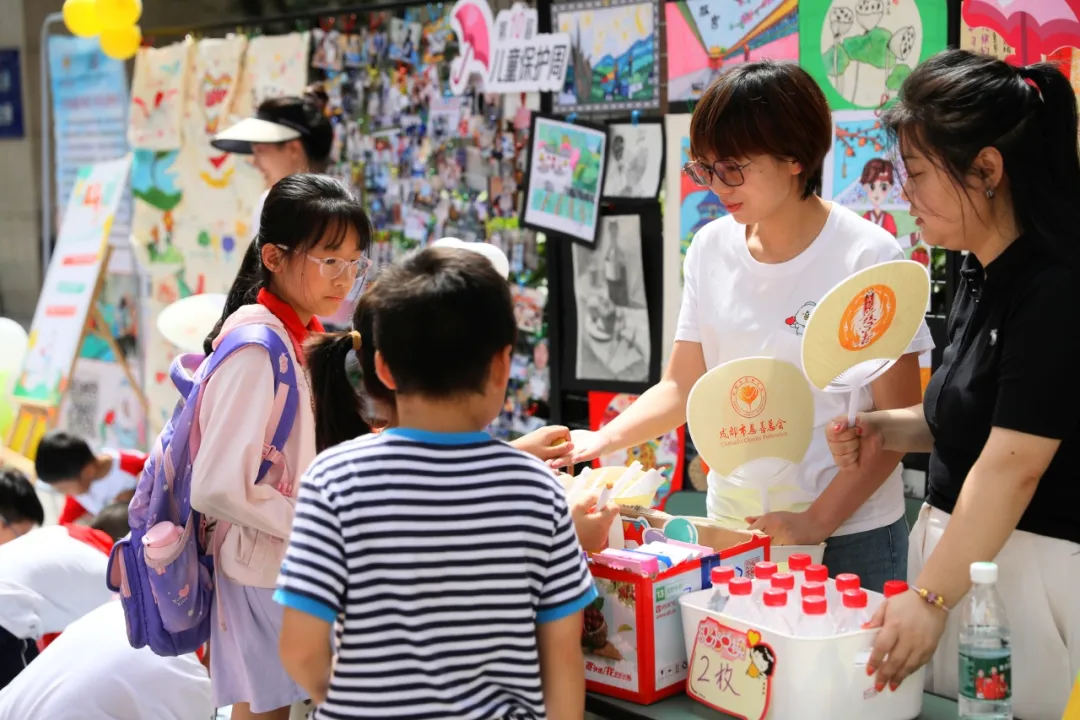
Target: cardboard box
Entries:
(633, 639)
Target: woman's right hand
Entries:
(588, 445)
(851, 445)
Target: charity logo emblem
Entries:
(748, 396)
(867, 317)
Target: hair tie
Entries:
(356, 340)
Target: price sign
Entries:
(731, 670)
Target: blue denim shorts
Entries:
(874, 555)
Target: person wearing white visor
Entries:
(287, 135)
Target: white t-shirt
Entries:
(103, 492)
(48, 580)
(92, 672)
(737, 307)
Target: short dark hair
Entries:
(765, 108)
(299, 211)
(18, 499)
(61, 456)
(113, 520)
(438, 317)
(958, 102)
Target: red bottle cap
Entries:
(854, 598)
(847, 581)
(722, 574)
(798, 561)
(812, 590)
(816, 573)
(740, 586)
(783, 581)
(775, 598)
(894, 587)
(765, 570)
(814, 605)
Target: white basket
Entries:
(818, 679)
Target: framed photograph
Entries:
(615, 55)
(563, 177)
(635, 164)
(612, 310)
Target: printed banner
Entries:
(71, 283)
(89, 110)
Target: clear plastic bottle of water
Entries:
(815, 622)
(763, 572)
(740, 604)
(720, 575)
(985, 654)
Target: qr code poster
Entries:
(101, 406)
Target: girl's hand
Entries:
(551, 444)
(588, 445)
(851, 445)
(910, 631)
(591, 523)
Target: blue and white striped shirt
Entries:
(437, 555)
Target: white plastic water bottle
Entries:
(985, 651)
(853, 615)
(720, 575)
(816, 574)
(786, 582)
(774, 611)
(797, 565)
(740, 604)
(763, 572)
(891, 588)
(812, 590)
(815, 622)
(836, 589)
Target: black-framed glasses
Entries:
(728, 172)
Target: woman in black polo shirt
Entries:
(993, 169)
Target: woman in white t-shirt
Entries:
(758, 140)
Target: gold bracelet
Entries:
(931, 597)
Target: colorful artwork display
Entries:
(665, 454)
(636, 160)
(860, 51)
(275, 66)
(157, 96)
(705, 37)
(565, 168)
(102, 407)
(615, 55)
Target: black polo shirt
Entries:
(1013, 361)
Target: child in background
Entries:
(307, 256)
(113, 521)
(92, 672)
(449, 558)
(20, 508)
(90, 481)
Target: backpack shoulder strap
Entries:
(286, 393)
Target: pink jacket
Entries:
(233, 418)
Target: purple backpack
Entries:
(164, 568)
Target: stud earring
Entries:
(989, 193)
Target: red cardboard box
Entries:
(633, 637)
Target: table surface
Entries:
(681, 707)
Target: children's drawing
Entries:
(705, 37)
(636, 162)
(214, 84)
(275, 66)
(861, 51)
(157, 96)
(566, 164)
(154, 185)
(863, 173)
(665, 454)
(614, 60)
(118, 303)
(102, 407)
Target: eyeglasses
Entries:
(728, 172)
(331, 268)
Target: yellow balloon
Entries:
(123, 43)
(117, 14)
(81, 19)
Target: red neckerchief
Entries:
(283, 311)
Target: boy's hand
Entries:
(592, 523)
(551, 444)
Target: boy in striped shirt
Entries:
(447, 560)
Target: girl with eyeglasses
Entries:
(308, 253)
(758, 140)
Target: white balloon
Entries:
(495, 255)
(13, 343)
(187, 322)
